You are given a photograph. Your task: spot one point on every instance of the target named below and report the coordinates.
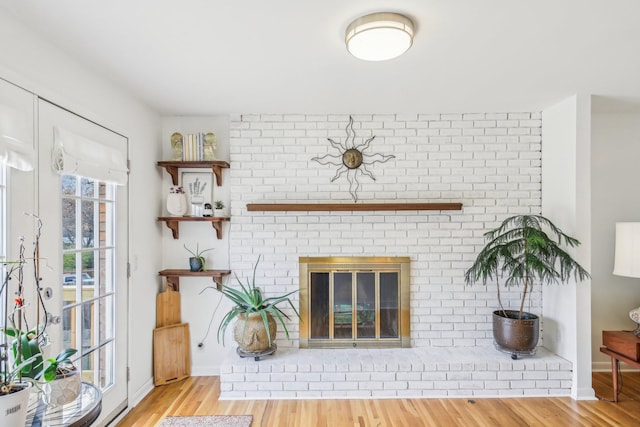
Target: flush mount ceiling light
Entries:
(379, 36)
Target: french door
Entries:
(85, 242)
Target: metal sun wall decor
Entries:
(352, 159)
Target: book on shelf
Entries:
(193, 147)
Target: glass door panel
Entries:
(320, 308)
(89, 258)
(366, 304)
(389, 305)
(342, 305)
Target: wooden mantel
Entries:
(272, 207)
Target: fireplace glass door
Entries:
(350, 307)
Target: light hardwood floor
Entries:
(199, 396)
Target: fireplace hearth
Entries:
(354, 302)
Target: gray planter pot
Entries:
(195, 264)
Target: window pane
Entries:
(366, 307)
(389, 305)
(88, 336)
(69, 277)
(69, 326)
(90, 287)
(97, 367)
(342, 305)
(88, 364)
(106, 373)
(105, 329)
(105, 222)
(87, 224)
(69, 185)
(68, 223)
(106, 270)
(87, 187)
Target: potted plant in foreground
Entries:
(15, 387)
(521, 253)
(255, 327)
(21, 359)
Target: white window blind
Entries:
(15, 151)
(76, 155)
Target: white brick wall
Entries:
(489, 162)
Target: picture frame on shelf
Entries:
(199, 189)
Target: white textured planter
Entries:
(218, 212)
(13, 407)
(177, 204)
(63, 389)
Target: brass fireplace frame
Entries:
(352, 264)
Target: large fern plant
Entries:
(522, 253)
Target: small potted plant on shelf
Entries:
(218, 208)
(521, 252)
(197, 262)
(255, 316)
(62, 378)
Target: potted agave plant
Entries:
(255, 316)
(523, 250)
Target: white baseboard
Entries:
(205, 371)
(141, 393)
(606, 367)
(585, 393)
(133, 401)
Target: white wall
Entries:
(34, 64)
(566, 201)
(196, 307)
(615, 178)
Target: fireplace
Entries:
(354, 302)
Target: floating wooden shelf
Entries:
(173, 276)
(172, 167)
(173, 222)
(270, 207)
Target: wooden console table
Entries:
(620, 346)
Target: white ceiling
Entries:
(192, 57)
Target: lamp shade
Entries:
(379, 36)
(627, 255)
